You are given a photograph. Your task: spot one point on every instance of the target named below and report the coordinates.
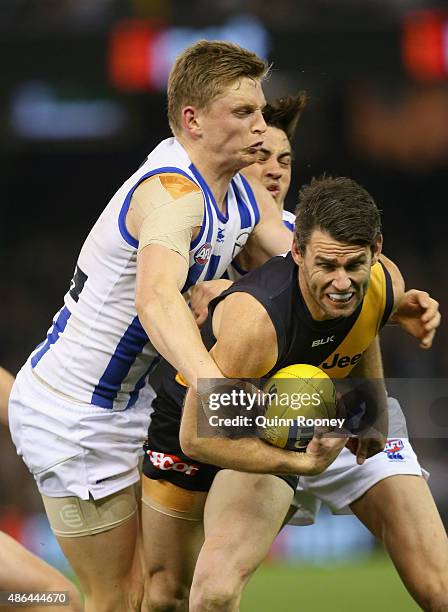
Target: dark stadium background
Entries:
(83, 103)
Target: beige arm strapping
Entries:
(166, 209)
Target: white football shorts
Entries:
(345, 481)
(72, 448)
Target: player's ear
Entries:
(377, 249)
(296, 254)
(190, 121)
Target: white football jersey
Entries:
(289, 219)
(96, 350)
(234, 271)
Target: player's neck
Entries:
(215, 171)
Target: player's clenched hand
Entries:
(322, 450)
(367, 446)
(418, 314)
(201, 295)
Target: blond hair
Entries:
(204, 70)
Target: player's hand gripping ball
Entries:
(301, 397)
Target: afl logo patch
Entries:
(393, 445)
(202, 255)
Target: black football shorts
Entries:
(164, 459)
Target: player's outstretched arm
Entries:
(246, 347)
(21, 571)
(373, 440)
(164, 216)
(203, 293)
(6, 382)
(415, 311)
(165, 315)
(270, 237)
(252, 454)
(370, 367)
(418, 314)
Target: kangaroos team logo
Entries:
(240, 242)
(202, 255)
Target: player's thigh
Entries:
(172, 524)
(97, 534)
(242, 516)
(401, 512)
(103, 557)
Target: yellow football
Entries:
(300, 397)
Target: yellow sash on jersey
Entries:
(181, 380)
(345, 356)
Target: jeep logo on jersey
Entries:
(342, 362)
(202, 255)
(164, 461)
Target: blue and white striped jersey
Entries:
(96, 350)
(289, 219)
(234, 271)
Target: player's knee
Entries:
(164, 594)
(213, 598)
(103, 603)
(58, 583)
(135, 599)
(121, 595)
(216, 591)
(75, 604)
(158, 601)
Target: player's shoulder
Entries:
(380, 279)
(261, 300)
(273, 277)
(245, 334)
(175, 184)
(385, 289)
(242, 315)
(386, 269)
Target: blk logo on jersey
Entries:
(220, 237)
(202, 255)
(322, 341)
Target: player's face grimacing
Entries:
(333, 276)
(233, 123)
(273, 167)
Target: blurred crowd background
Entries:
(83, 102)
